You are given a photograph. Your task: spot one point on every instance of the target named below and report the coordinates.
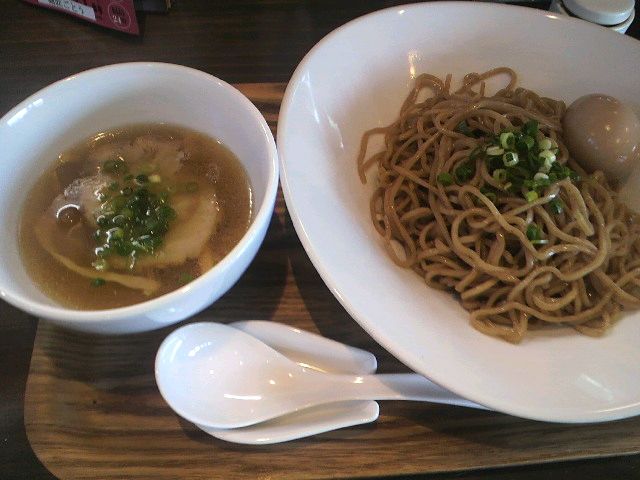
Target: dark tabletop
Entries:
(236, 40)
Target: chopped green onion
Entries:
(507, 140)
(98, 282)
(155, 178)
(500, 175)
(519, 161)
(119, 220)
(116, 166)
(494, 151)
(140, 179)
(463, 128)
(510, 159)
(116, 233)
(545, 144)
(556, 206)
(574, 176)
(530, 128)
(529, 142)
(533, 232)
(134, 220)
(464, 172)
(445, 179)
(548, 158)
(490, 194)
(561, 171)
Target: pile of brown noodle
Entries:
(458, 239)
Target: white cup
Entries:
(615, 15)
(54, 119)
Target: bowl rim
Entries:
(261, 217)
(395, 348)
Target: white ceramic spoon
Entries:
(218, 376)
(316, 352)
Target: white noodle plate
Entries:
(355, 79)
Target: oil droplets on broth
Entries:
(131, 214)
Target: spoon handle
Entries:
(402, 386)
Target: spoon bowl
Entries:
(218, 376)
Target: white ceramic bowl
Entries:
(59, 116)
(356, 79)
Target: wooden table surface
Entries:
(239, 41)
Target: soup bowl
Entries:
(58, 117)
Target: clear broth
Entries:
(205, 159)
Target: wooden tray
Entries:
(92, 409)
